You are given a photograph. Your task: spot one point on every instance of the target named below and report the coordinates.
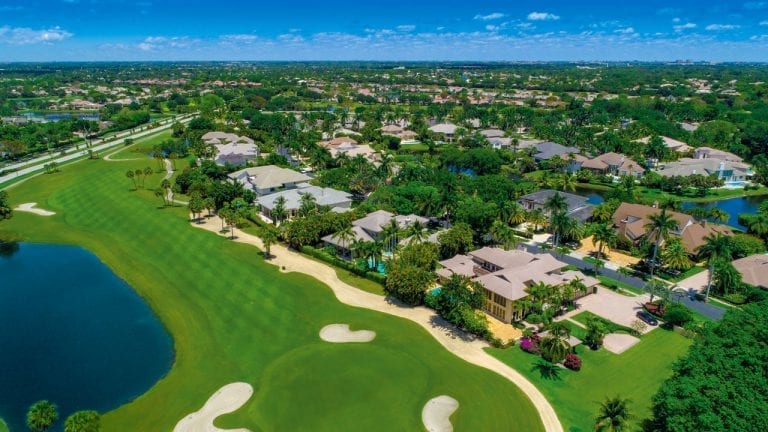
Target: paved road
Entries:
(98, 145)
(688, 300)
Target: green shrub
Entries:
(735, 298)
(677, 315)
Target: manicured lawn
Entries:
(636, 375)
(3, 426)
(142, 146)
(584, 317)
(235, 318)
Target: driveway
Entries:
(612, 306)
(697, 282)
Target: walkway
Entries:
(459, 343)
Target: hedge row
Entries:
(346, 265)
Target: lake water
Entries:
(734, 206)
(74, 333)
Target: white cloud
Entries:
(28, 36)
(490, 16)
(668, 11)
(755, 5)
(719, 27)
(543, 16)
(682, 27)
(154, 43)
(626, 30)
(764, 23)
(406, 28)
(675, 20)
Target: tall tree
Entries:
(717, 247)
(675, 256)
(556, 203)
(390, 233)
(269, 236)
(279, 212)
(660, 226)
(604, 236)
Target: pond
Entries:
(73, 333)
(733, 206)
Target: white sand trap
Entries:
(617, 343)
(340, 333)
(436, 414)
(226, 400)
(30, 208)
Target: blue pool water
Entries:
(74, 333)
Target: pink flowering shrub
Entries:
(572, 362)
(529, 345)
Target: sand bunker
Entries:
(226, 400)
(340, 333)
(30, 208)
(436, 414)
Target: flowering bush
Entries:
(572, 362)
(529, 345)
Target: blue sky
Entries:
(71, 30)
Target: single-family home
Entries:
(350, 148)
(632, 220)
(263, 180)
(505, 277)
(232, 148)
(548, 149)
(578, 207)
(671, 143)
(492, 133)
(711, 153)
(732, 173)
(754, 270)
(447, 130)
(335, 200)
(371, 226)
(613, 164)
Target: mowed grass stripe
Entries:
(235, 318)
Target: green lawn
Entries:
(235, 318)
(3, 426)
(608, 281)
(584, 317)
(635, 374)
(142, 146)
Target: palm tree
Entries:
(554, 348)
(417, 232)
(717, 247)
(130, 174)
(758, 225)
(613, 416)
(604, 236)
(269, 236)
(537, 218)
(564, 226)
(660, 225)
(503, 234)
(556, 203)
(516, 214)
(390, 233)
(279, 213)
(718, 215)
(83, 421)
(603, 212)
(308, 204)
(41, 416)
(568, 181)
(675, 256)
(345, 237)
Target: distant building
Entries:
(447, 130)
(548, 149)
(614, 164)
(350, 148)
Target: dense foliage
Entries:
(722, 384)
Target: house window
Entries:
(499, 300)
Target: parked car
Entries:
(647, 318)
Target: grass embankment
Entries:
(142, 146)
(635, 374)
(3, 426)
(235, 318)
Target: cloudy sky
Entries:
(65, 30)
